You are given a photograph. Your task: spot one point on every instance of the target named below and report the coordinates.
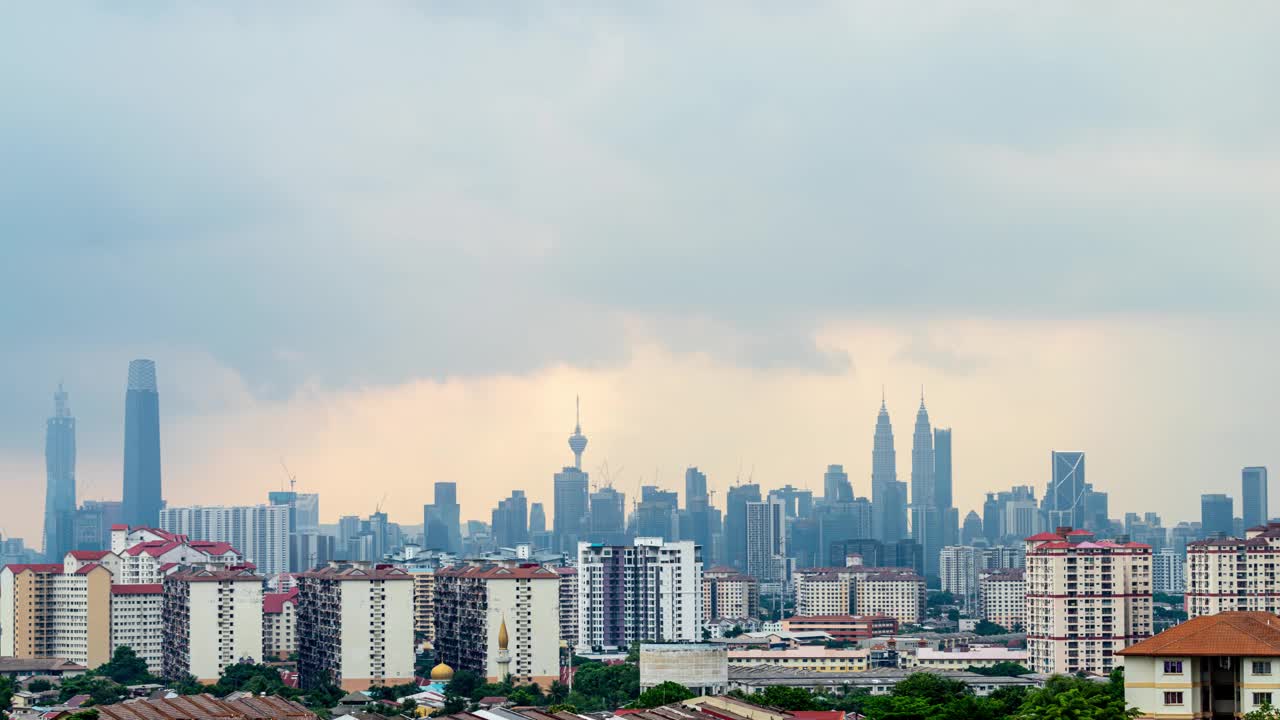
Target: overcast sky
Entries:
(390, 242)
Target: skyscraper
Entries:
(142, 494)
(442, 520)
(1064, 500)
(926, 518)
(608, 517)
(656, 515)
(60, 480)
(1253, 496)
(836, 486)
(698, 520)
(735, 523)
(942, 486)
(1216, 514)
(888, 496)
(767, 541)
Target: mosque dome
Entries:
(441, 672)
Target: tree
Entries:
(985, 627)
(935, 689)
(101, 690)
(88, 714)
(1072, 698)
(6, 692)
(39, 685)
(463, 684)
(1001, 669)
(787, 698)
(562, 707)
(1266, 712)
(936, 598)
(252, 677)
(633, 652)
(665, 693)
(125, 667)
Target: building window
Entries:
(1174, 667)
(1175, 698)
(1262, 698)
(1262, 667)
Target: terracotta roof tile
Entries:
(1238, 634)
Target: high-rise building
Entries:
(60, 480)
(94, 521)
(1002, 598)
(1064, 500)
(142, 492)
(355, 626)
(972, 530)
(210, 619)
(735, 523)
(650, 591)
(511, 520)
(943, 486)
(442, 520)
(897, 594)
(958, 572)
(1231, 573)
(991, 519)
(1253, 496)
(572, 520)
(656, 515)
(568, 605)
(537, 519)
(1086, 601)
(1216, 515)
(796, 502)
(836, 486)
(260, 532)
(729, 595)
(46, 612)
(766, 553)
(888, 495)
(608, 517)
(279, 624)
(498, 619)
(1168, 572)
(926, 516)
(841, 521)
(699, 520)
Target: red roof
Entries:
(119, 526)
(817, 714)
(1044, 536)
(137, 589)
(1079, 532)
(274, 602)
(86, 569)
(35, 567)
(89, 554)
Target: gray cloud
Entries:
(361, 194)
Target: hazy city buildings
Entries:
(608, 517)
(926, 518)
(510, 520)
(650, 591)
(259, 532)
(60, 480)
(1168, 572)
(355, 626)
(1216, 515)
(766, 549)
(1253, 496)
(1086, 600)
(836, 487)
(888, 495)
(442, 520)
(735, 523)
(1064, 501)
(142, 493)
(958, 572)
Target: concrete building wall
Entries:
(701, 667)
(531, 608)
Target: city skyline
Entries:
(724, 226)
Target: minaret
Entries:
(577, 441)
(504, 655)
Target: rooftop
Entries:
(206, 707)
(1236, 634)
(358, 572)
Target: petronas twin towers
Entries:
(930, 506)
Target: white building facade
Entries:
(259, 532)
(650, 591)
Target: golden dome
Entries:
(442, 672)
(502, 634)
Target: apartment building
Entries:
(210, 619)
(1002, 598)
(1213, 666)
(260, 532)
(824, 590)
(1226, 574)
(424, 604)
(650, 591)
(137, 613)
(355, 626)
(46, 612)
(279, 624)
(729, 595)
(143, 555)
(1086, 600)
(481, 603)
(568, 605)
(958, 571)
(843, 628)
(1168, 572)
(900, 594)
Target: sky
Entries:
(389, 243)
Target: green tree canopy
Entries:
(125, 667)
(663, 694)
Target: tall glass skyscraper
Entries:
(1064, 500)
(888, 496)
(1253, 496)
(142, 493)
(60, 479)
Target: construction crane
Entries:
(293, 479)
(378, 508)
